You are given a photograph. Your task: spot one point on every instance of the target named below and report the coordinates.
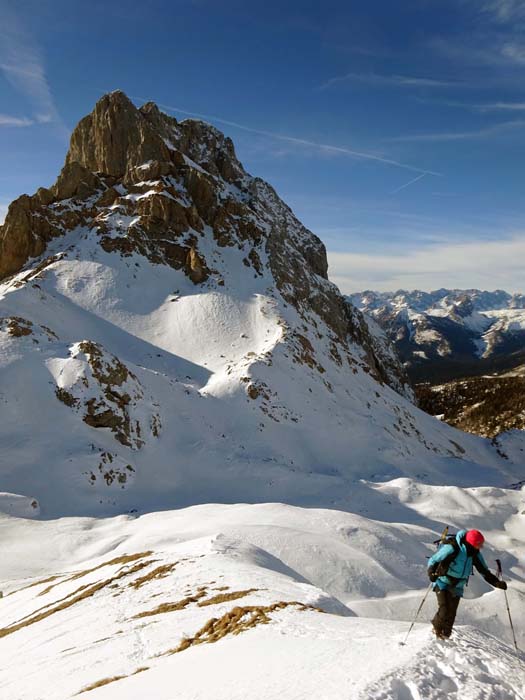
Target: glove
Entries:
(495, 581)
(433, 575)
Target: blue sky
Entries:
(395, 130)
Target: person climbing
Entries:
(449, 570)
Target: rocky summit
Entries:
(169, 336)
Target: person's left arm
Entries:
(481, 566)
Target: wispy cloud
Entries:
(463, 265)
(484, 133)
(322, 147)
(514, 52)
(407, 81)
(407, 184)
(503, 10)
(8, 120)
(22, 65)
(501, 107)
(500, 50)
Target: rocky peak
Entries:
(115, 138)
(143, 183)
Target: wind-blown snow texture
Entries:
(176, 343)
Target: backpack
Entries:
(442, 567)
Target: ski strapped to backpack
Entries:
(439, 542)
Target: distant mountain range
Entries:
(450, 333)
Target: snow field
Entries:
(341, 563)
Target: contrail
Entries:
(407, 184)
(302, 142)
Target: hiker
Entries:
(449, 570)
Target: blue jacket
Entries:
(460, 568)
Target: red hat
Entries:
(475, 538)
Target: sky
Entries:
(394, 130)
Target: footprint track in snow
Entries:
(471, 666)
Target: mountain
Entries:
(214, 480)
(447, 334)
(183, 341)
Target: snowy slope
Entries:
(92, 600)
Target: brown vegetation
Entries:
(238, 620)
(171, 607)
(76, 596)
(223, 597)
(112, 679)
(159, 572)
(485, 405)
(122, 559)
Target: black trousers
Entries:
(443, 621)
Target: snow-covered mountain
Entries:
(183, 342)
(169, 339)
(450, 333)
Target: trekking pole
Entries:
(402, 644)
(500, 575)
(440, 541)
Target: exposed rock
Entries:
(115, 138)
(75, 181)
(17, 327)
(108, 395)
(196, 267)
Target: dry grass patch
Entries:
(123, 559)
(36, 583)
(112, 679)
(171, 607)
(99, 684)
(159, 572)
(81, 593)
(223, 597)
(238, 620)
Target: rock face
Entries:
(108, 395)
(147, 184)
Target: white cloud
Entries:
(394, 80)
(486, 265)
(9, 120)
(487, 132)
(3, 212)
(22, 65)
